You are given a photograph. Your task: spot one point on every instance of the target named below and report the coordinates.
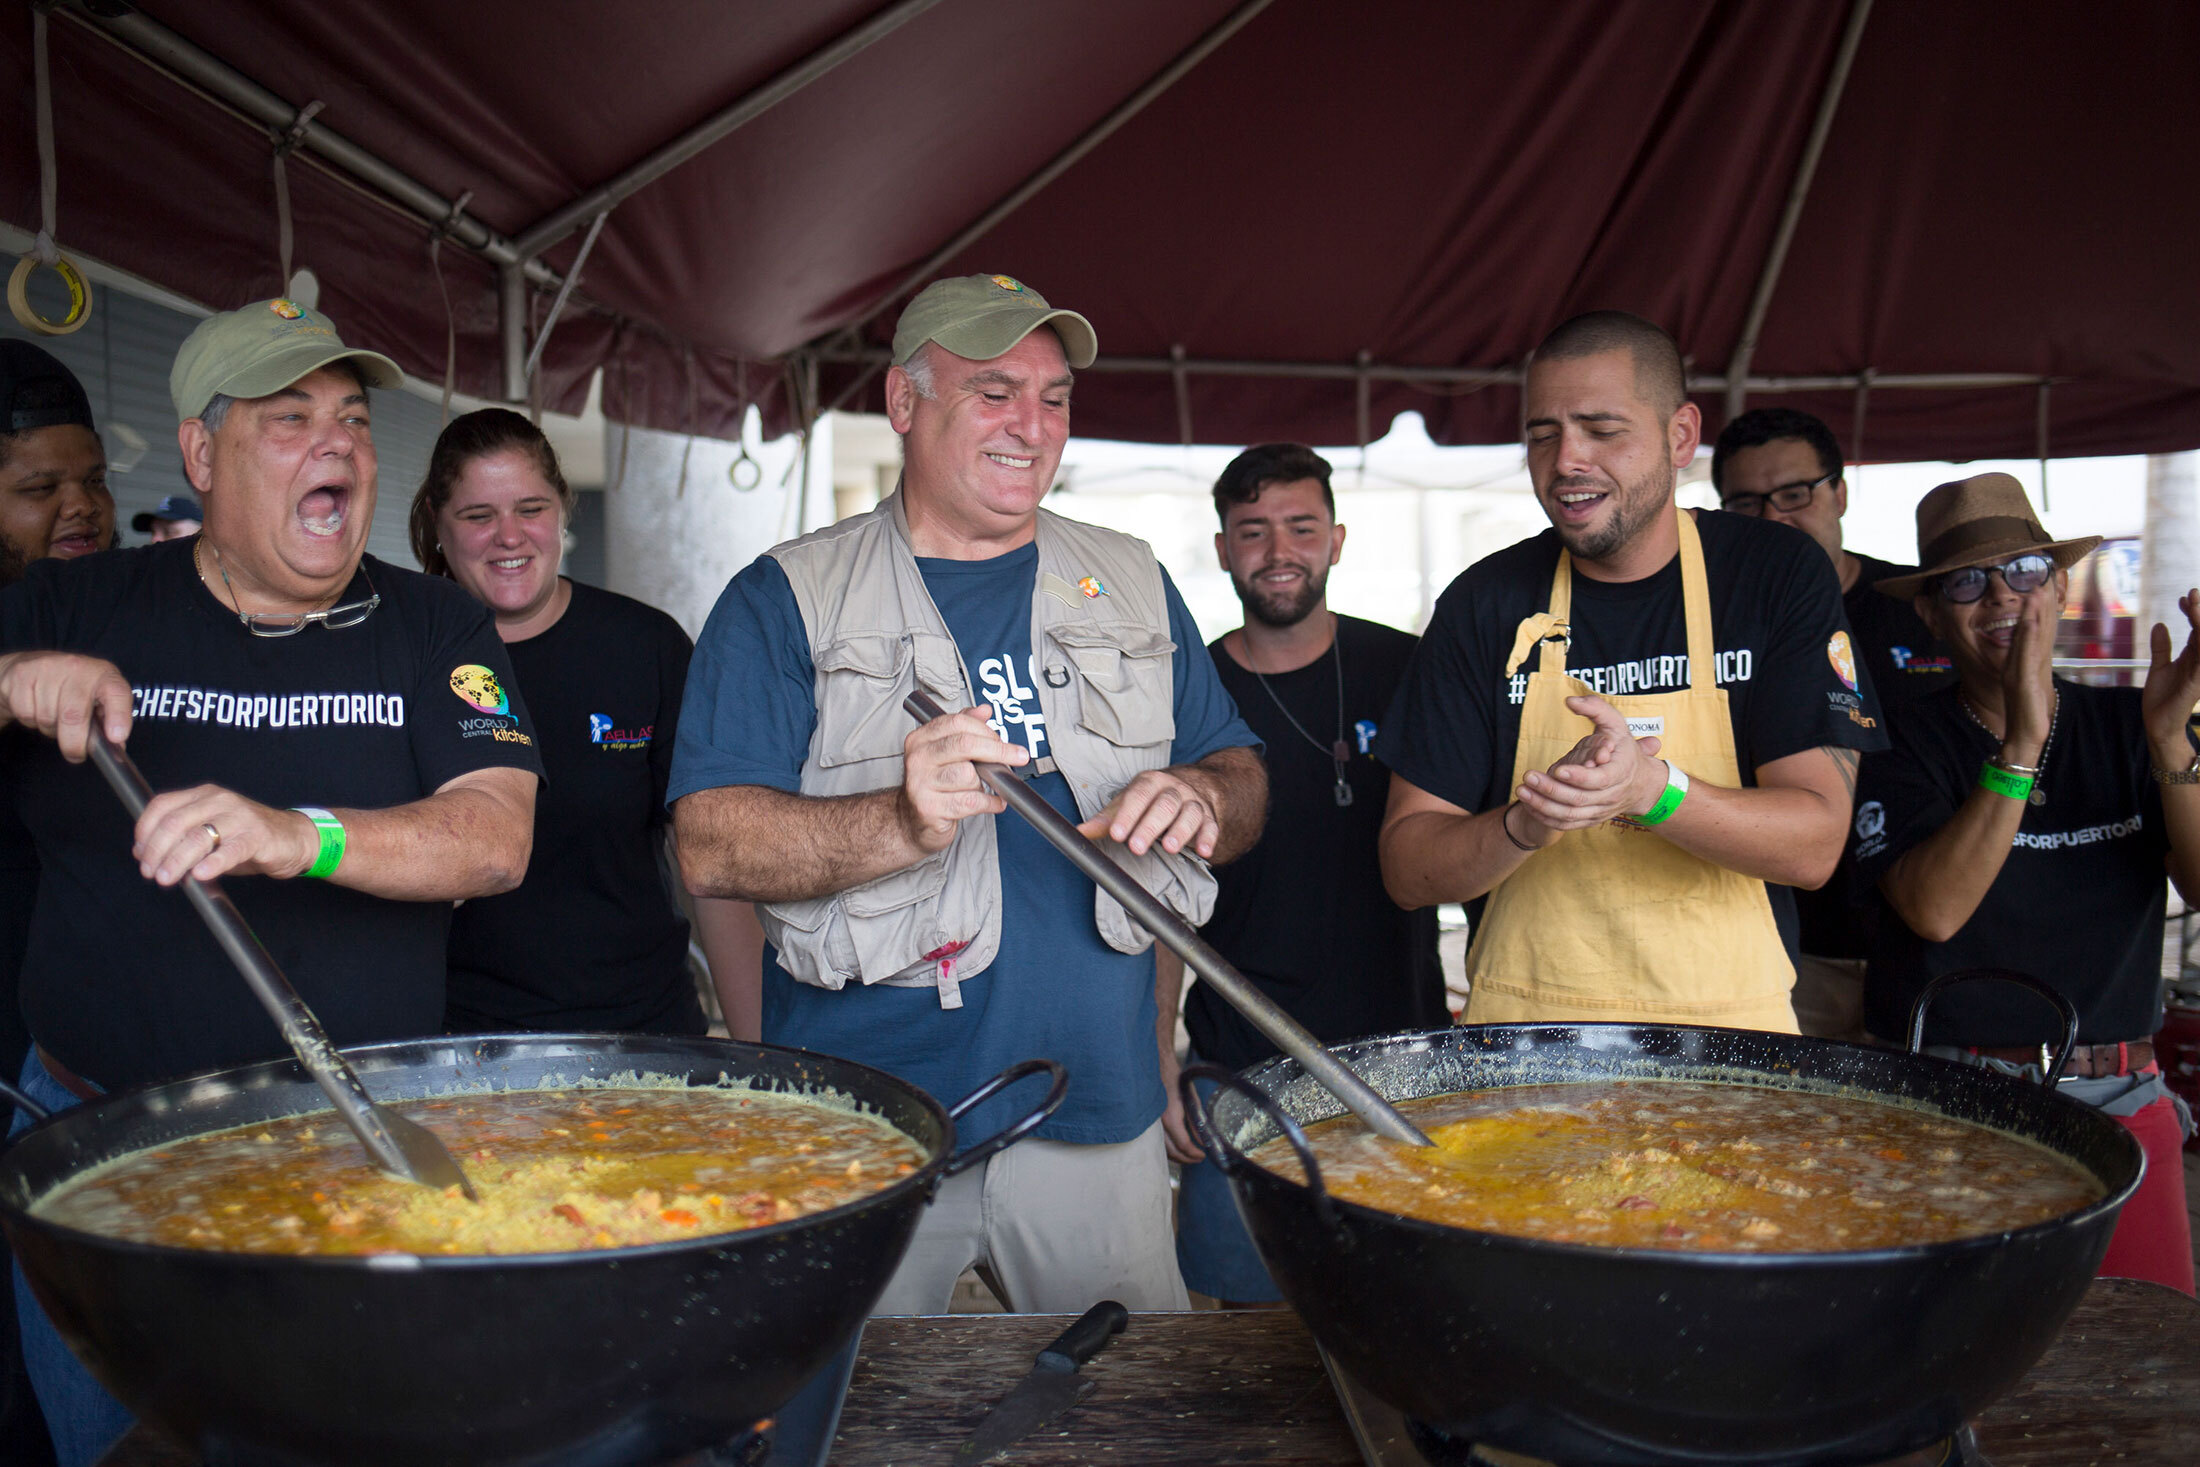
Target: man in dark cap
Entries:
(53, 504)
(174, 518)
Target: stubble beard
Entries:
(1281, 609)
(1634, 507)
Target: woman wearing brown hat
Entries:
(2024, 822)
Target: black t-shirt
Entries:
(2079, 901)
(18, 894)
(592, 939)
(1303, 914)
(1778, 636)
(121, 980)
(1905, 663)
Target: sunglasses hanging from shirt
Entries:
(1340, 753)
(288, 623)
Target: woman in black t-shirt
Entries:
(2014, 824)
(593, 938)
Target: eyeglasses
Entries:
(289, 624)
(1786, 497)
(2025, 573)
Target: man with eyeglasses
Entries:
(338, 737)
(2021, 822)
(1783, 465)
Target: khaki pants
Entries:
(1059, 1226)
(1829, 997)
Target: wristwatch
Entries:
(2190, 774)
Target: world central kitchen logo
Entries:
(603, 730)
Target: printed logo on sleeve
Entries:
(1871, 829)
(1843, 658)
(477, 686)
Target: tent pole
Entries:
(1063, 161)
(169, 51)
(1737, 370)
(512, 330)
(875, 359)
(752, 105)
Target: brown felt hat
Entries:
(1982, 520)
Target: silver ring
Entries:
(211, 834)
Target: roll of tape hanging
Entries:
(28, 317)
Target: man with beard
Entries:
(1303, 914)
(1614, 735)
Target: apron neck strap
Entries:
(1695, 605)
(1696, 601)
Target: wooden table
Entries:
(2119, 1388)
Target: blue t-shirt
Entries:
(1055, 990)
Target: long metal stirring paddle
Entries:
(1283, 1031)
(395, 1144)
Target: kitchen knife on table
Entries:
(1052, 1387)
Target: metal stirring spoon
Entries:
(1283, 1031)
(395, 1144)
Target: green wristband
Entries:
(332, 841)
(1676, 790)
(1992, 776)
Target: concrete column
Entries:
(2169, 563)
(674, 538)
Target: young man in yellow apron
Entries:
(1618, 732)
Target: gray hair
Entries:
(217, 406)
(919, 368)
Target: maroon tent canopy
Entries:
(1300, 217)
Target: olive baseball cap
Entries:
(263, 348)
(982, 316)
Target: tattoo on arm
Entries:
(1845, 762)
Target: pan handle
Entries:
(22, 1102)
(2065, 1010)
(1227, 1156)
(1008, 1135)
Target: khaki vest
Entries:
(1100, 643)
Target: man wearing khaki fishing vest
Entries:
(1615, 734)
(913, 925)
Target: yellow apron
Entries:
(1618, 923)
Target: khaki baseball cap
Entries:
(982, 316)
(263, 348)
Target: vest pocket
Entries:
(1124, 689)
(860, 684)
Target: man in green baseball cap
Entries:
(343, 731)
(979, 317)
(910, 929)
(274, 427)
